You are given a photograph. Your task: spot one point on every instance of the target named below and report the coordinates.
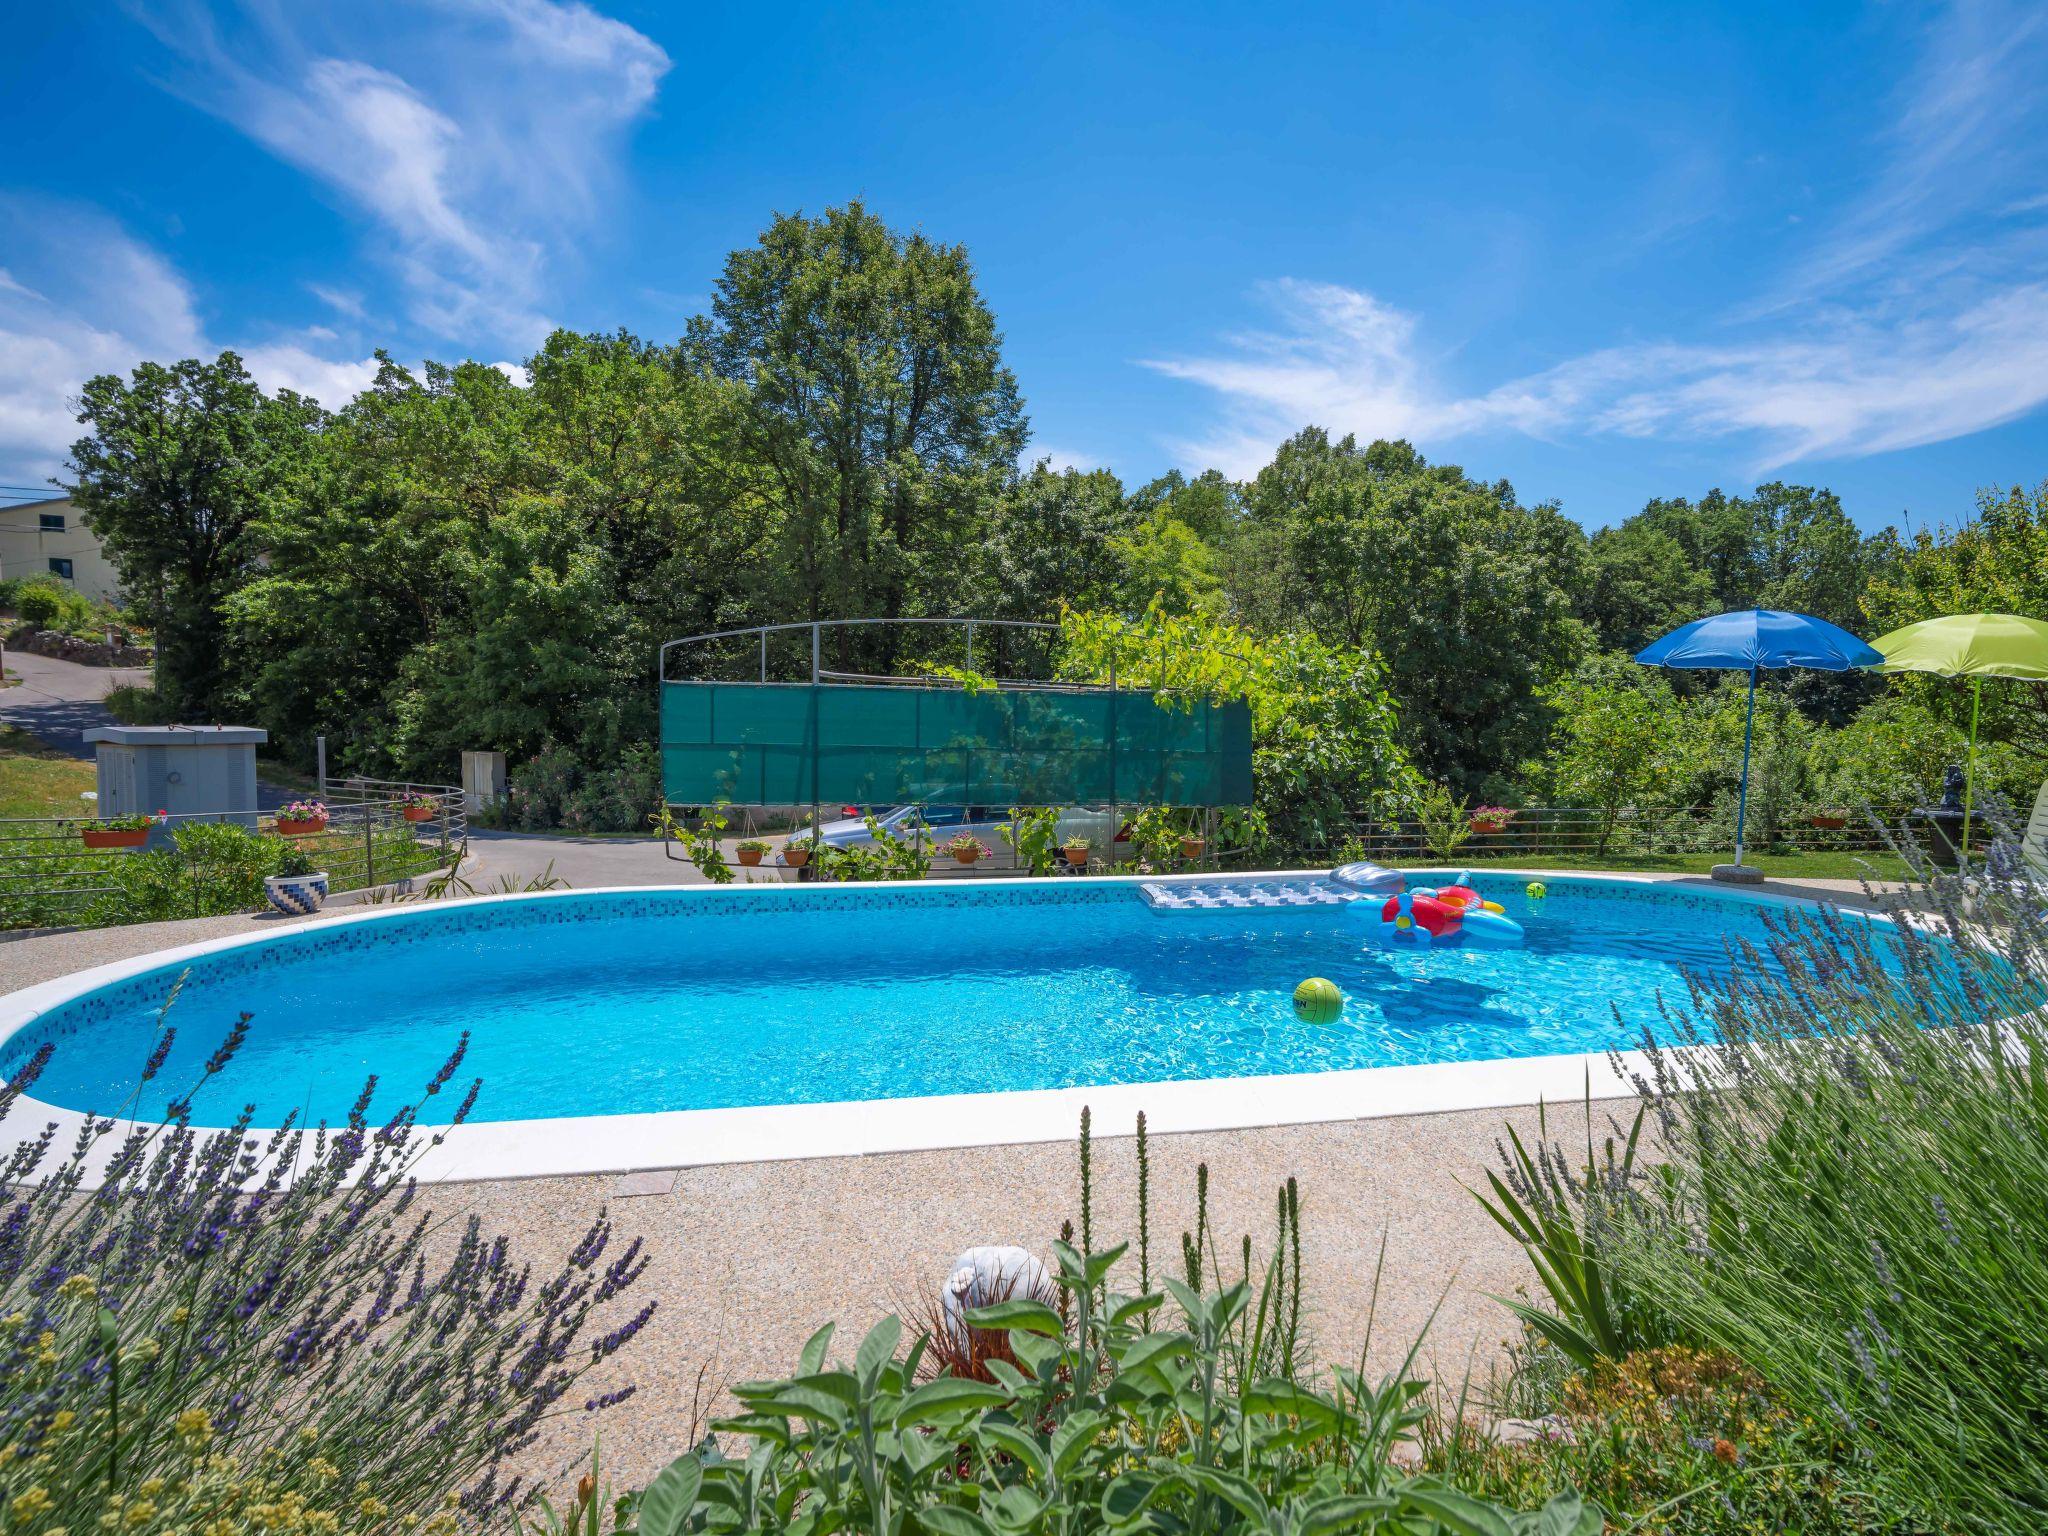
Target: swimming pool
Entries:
(631, 1004)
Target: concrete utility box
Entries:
(188, 770)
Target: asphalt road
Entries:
(58, 701)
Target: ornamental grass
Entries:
(1844, 1186)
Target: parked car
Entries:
(942, 822)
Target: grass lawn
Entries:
(35, 781)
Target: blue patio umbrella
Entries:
(1753, 640)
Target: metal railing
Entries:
(50, 879)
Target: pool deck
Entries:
(747, 1258)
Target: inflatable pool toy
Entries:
(1538, 890)
(1317, 1001)
(1448, 915)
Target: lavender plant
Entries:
(191, 1318)
(1852, 1126)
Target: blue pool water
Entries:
(582, 1005)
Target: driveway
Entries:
(58, 701)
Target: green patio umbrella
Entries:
(1976, 646)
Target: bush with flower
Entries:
(197, 1325)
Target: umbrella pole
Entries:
(1742, 799)
(1970, 762)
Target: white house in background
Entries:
(49, 538)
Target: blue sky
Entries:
(1605, 252)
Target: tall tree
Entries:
(1051, 540)
(179, 464)
(881, 403)
(1468, 596)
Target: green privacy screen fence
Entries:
(879, 744)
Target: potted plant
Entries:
(301, 818)
(1076, 850)
(797, 851)
(297, 889)
(1830, 818)
(1192, 844)
(119, 831)
(966, 848)
(1490, 820)
(751, 850)
(418, 805)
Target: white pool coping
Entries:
(573, 1145)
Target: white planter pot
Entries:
(296, 895)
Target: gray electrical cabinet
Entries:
(188, 770)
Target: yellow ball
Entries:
(1317, 1001)
(1537, 890)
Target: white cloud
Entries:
(98, 301)
(473, 133)
(1917, 314)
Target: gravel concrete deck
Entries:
(748, 1259)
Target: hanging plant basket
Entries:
(796, 858)
(308, 827)
(749, 857)
(1078, 857)
(124, 838)
(418, 813)
(967, 856)
(1191, 847)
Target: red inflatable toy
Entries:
(1435, 917)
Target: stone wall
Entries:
(91, 653)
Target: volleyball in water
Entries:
(1317, 1001)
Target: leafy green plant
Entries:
(965, 845)
(887, 855)
(700, 844)
(1115, 1412)
(1033, 836)
(1443, 819)
(138, 821)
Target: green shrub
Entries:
(1687, 1442)
(39, 606)
(139, 706)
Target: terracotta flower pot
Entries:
(307, 828)
(1486, 828)
(1829, 823)
(796, 858)
(968, 857)
(749, 857)
(418, 813)
(130, 839)
(1191, 847)
(1078, 857)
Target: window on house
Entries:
(53, 522)
(60, 568)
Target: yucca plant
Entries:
(1561, 1217)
